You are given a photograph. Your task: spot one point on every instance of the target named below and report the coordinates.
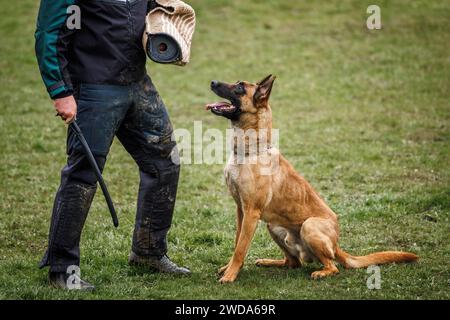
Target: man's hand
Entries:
(66, 108)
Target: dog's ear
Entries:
(264, 89)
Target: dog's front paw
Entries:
(223, 269)
(227, 279)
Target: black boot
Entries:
(161, 264)
(61, 280)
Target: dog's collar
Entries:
(249, 152)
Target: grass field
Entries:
(363, 115)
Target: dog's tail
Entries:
(351, 262)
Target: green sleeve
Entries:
(52, 40)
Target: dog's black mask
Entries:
(232, 92)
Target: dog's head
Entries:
(243, 97)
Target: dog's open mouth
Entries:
(221, 108)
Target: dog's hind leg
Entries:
(271, 262)
(320, 236)
(279, 234)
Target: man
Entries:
(96, 76)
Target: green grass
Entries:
(364, 116)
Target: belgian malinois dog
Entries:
(298, 220)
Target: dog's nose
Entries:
(214, 83)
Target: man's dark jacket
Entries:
(106, 50)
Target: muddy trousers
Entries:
(139, 119)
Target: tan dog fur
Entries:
(298, 220)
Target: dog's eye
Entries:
(240, 89)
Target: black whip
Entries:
(97, 172)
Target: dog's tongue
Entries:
(217, 105)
